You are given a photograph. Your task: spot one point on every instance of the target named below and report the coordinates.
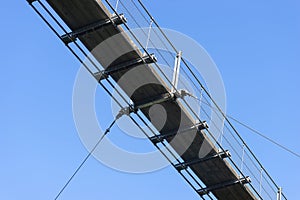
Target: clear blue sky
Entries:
(256, 45)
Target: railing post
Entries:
(243, 155)
(117, 4)
(200, 101)
(176, 71)
(279, 193)
(149, 35)
(260, 181)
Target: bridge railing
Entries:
(243, 159)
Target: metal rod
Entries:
(279, 193)
(176, 71)
(85, 159)
(184, 165)
(260, 181)
(207, 190)
(149, 34)
(243, 155)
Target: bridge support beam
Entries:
(159, 138)
(125, 66)
(71, 37)
(185, 165)
(207, 190)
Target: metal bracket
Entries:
(169, 96)
(203, 126)
(155, 100)
(124, 66)
(207, 190)
(124, 111)
(133, 109)
(181, 93)
(159, 138)
(185, 165)
(71, 37)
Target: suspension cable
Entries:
(255, 131)
(265, 137)
(227, 120)
(73, 52)
(77, 57)
(85, 159)
(134, 36)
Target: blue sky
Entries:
(255, 44)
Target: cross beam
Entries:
(125, 66)
(207, 190)
(72, 36)
(185, 165)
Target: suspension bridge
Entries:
(230, 170)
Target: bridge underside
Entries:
(216, 173)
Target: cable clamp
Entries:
(125, 111)
(182, 93)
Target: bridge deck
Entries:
(77, 14)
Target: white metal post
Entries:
(117, 4)
(176, 71)
(260, 181)
(149, 34)
(279, 193)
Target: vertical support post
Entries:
(176, 71)
(221, 137)
(243, 155)
(279, 193)
(200, 100)
(260, 181)
(117, 4)
(149, 34)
